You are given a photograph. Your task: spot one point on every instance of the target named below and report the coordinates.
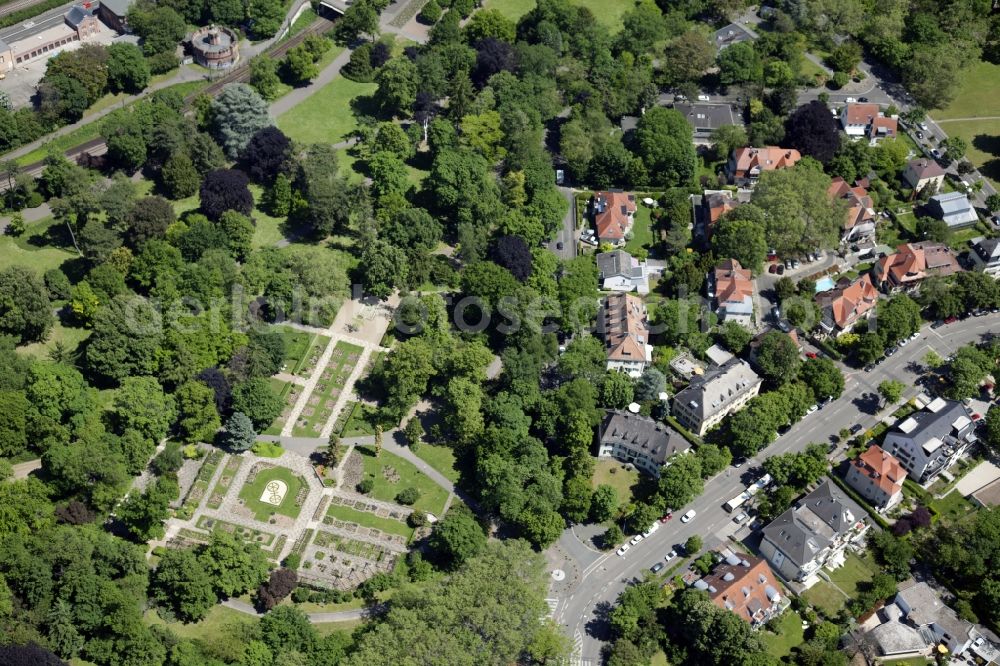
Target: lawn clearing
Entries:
(302, 350)
(789, 635)
(360, 421)
(952, 506)
(978, 96)
(288, 393)
(69, 336)
(983, 137)
(607, 12)
(214, 628)
(392, 473)
(613, 473)
(440, 457)
(642, 232)
(825, 597)
(288, 504)
(44, 244)
(267, 229)
(854, 572)
(366, 519)
(326, 116)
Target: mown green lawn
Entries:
(952, 506)
(642, 231)
(854, 572)
(983, 138)
(384, 471)
(44, 245)
(978, 96)
(69, 336)
(789, 635)
(610, 472)
(212, 629)
(251, 493)
(440, 457)
(366, 519)
(326, 116)
(608, 12)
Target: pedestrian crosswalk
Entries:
(552, 604)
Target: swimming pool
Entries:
(825, 284)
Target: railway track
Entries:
(240, 74)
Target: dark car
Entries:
(951, 320)
(856, 428)
(862, 99)
(773, 268)
(559, 245)
(657, 568)
(937, 324)
(869, 367)
(781, 269)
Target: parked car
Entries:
(862, 99)
(869, 367)
(669, 556)
(856, 428)
(657, 568)
(652, 528)
(850, 100)
(813, 409)
(559, 245)
(920, 135)
(923, 126)
(795, 263)
(686, 518)
(937, 324)
(781, 269)
(915, 335)
(667, 516)
(703, 98)
(810, 354)
(624, 549)
(636, 539)
(739, 462)
(951, 320)
(740, 517)
(772, 268)
(904, 342)
(936, 153)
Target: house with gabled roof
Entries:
(812, 534)
(878, 476)
(746, 164)
(622, 324)
(866, 120)
(906, 268)
(921, 172)
(614, 213)
(639, 440)
(710, 397)
(848, 303)
(860, 218)
(620, 271)
(986, 255)
(744, 585)
(954, 209)
(734, 287)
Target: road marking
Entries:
(552, 604)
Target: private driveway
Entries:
(581, 603)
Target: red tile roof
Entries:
(849, 303)
(861, 207)
(733, 283)
(768, 158)
(912, 262)
(882, 467)
(613, 214)
(862, 114)
(747, 590)
(626, 335)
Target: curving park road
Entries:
(594, 579)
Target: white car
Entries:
(904, 342)
(740, 517)
(915, 335)
(671, 555)
(655, 526)
(812, 409)
(850, 100)
(636, 539)
(624, 549)
(703, 98)
(923, 126)
(686, 518)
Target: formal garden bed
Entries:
(289, 394)
(199, 488)
(286, 492)
(390, 474)
(218, 493)
(319, 406)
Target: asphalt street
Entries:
(595, 579)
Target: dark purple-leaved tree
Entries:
(267, 154)
(512, 253)
(813, 131)
(225, 189)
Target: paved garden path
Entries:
(22, 470)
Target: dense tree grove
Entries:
(163, 334)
